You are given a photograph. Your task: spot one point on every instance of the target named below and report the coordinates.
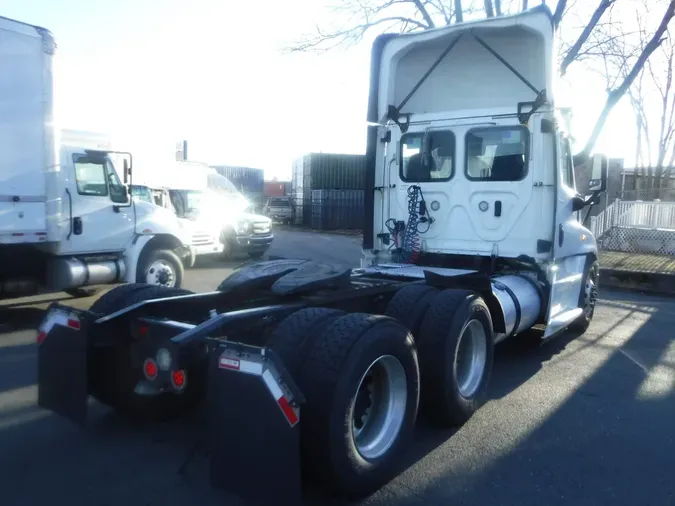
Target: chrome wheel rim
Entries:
(161, 273)
(470, 358)
(378, 410)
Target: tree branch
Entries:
(425, 14)
(583, 37)
(559, 11)
(615, 95)
(459, 12)
(489, 11)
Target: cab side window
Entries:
(90, 176)
(567, 166)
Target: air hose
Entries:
(411, 237)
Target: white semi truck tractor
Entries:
(474, 235)
(67, 221)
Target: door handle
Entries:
(77, 225)
(561, 235)
(498, 208)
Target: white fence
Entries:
(636, 227)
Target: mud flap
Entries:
(62, 363)
(255, 425)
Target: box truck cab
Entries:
(66, 217)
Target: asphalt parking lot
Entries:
(582, 420)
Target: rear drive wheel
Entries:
(410, 304)
(114, 374)
(361, 381)
(589, 297)
(456, 354)
(160, 267)
(292, 340)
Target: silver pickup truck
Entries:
(279, 209)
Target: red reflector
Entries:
(73, 323)
(288, 410)
(178, 378)
(41, 336)
(143, 330)
(150, 369)
(18, 234)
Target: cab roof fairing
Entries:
(466, 78)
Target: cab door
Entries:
(570, 248)
(96, 212)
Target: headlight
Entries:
(243, 227)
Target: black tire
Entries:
(113, 374)
(111, 301)
(292, 340)
(256, 255)
(331, 377)
(83, 291)
(226, 255)
(168, 256)
(447, 316)
(409, 306)
(591, 275)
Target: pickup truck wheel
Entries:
(113, 374)
(410, 304)
(456, 353)
(293, 338)
(361, 381)
(160, 268)
(589, 297)
(257, 255)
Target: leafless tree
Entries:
(630, 66)
(361, 16)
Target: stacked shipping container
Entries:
(277, 188)
(343, 175)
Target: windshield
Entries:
(142, 193)
(204, 203)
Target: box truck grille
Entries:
(201, 239)
(261, 228)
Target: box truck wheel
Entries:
(410, 304)
(589, 296)
(160, 267)
(293, 338)
(361, 382)
(456, 353)
(113, 373)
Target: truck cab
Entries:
(67, 221)
(469, 161)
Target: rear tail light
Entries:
(178, 379)
(150, 369)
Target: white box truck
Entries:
(66, 219)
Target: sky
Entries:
(151, 72)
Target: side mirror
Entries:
(598, 181)
(127, 170)
(578, 203)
